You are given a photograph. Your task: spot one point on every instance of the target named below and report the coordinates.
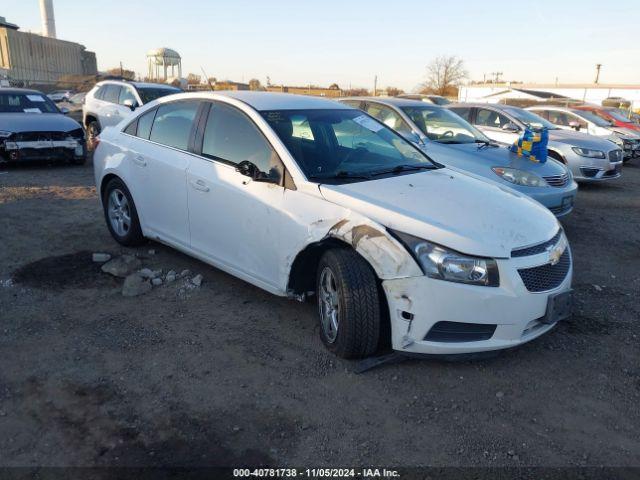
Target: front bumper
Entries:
(43, 150)
(560, 200)
(417, 304)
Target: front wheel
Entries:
(348, 304)
(121, 214)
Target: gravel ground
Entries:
(226, 374)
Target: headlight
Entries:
(587, 152)
(5, 134)
(520, 177)
(618, 141)
(444, 264)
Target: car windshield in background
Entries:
(149, 94)
(336, 146)
(26, 103)
(599, 121)
(617, 115)
(444, 126)
(530, 119)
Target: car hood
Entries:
(479, 161)
(37, 122)
(451, 209)
(626, 132)
(579, 139)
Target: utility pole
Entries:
(375, 85)
(122, 71)
(496, 76)
(598, 67)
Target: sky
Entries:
(349, 42)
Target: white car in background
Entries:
(586, 122)
(60, 95)
(301, 195)
(110, 101)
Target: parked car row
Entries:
(410, 223)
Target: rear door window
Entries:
(464, 112)
(172, 124)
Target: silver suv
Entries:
(111, 101)
(588, 157)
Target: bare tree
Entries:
(124, 73)
(356, 92)
(393, 91)
(254, 84)
(194, 79)
(445, 74)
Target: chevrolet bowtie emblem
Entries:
(555, 252)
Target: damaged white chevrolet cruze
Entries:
(305, 197)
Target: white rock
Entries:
(101, 257)
(185, 273)
(135, 285)
(156, 282)
(8, 283)
(121, 266)
(152, 252)
(171, 277)
(197, 280)
(598, 288)
(146, 273)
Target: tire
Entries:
(355, 303)
(121, 215)
(93, 130)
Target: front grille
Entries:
(455, 332)
(537, 249)
(615, 156)
(557, 180)
(40, 136)
(546, 277)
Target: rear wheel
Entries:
(121, 214)
(348, 304)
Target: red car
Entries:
(612, 115)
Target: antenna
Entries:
(208, 81)
(598, 67)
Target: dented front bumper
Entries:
(417, 304)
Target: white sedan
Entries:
(303, 196)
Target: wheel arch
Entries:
(556, 155)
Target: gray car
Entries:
(588, 157)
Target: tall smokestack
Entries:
(48, 20)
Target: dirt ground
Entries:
(230, 375)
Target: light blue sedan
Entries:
(452, 141)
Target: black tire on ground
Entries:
(358, 301)
(93, 130)
(133, 235)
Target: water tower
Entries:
(160, 60)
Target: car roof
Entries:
(395, 101)
(278, 101)
(138, 84)
(20, 90)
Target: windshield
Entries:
(530, 119)
(600, 122)
(443, 126)
(26, 103)
(340, 145)
(149, 94)
(617, 115)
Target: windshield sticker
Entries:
(32, 110)
(368, 123)
(36, 98)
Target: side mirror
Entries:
(413, 137)
(510, 127)
(132, 104)
(251, 170)
(575, 125)
(248, 169)
(64, 111)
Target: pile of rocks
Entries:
(139, 280)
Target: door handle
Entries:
(199, 185)
(140, 161)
